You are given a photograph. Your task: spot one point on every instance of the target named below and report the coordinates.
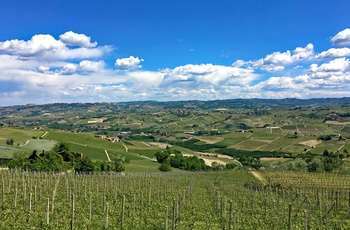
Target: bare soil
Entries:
(311, 143)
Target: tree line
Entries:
(61, 159)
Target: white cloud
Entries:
(334, 53)
(207, 74)
(43, 69)
(91, 66)
(336, 65)
(69, 69)
(342, 38)
(278, 61)
(35, 46)
(46, 47)
(73, 39)
(128, 63)
(72, 69)
(84, 66)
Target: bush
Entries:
(165, 167)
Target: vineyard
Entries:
(179, 200)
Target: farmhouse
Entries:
(108, 138)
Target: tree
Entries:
(119, 163)
(162, 156)
(165, 167)
(61, 147)
(9, 141)
(84, 165)
(325, 153)
(316, 165)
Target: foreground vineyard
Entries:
(215, 200)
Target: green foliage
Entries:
(175, 159)
(84, 165)
(325, 137)
(162, 156)
(232, 165)
(243, 126)
(119, 162)
(48, 162)
(17, 163)
(61, 147)
(165, 167)
(316, 165)
(197, 145)
(243, 153)
(252, 162)
(9, 141)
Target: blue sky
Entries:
(129, 50)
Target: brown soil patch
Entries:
(310, 143)
(210, 161)
(158, 144)
(337, 123)
(211, 140)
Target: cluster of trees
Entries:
(251, 162)
(195, 145)
(9, 141)
(174, 158)
(325, 137)
(328, 162)
(61, 159)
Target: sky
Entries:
(136, 50)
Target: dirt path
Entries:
(126, 148)
(341, 147)
(257, 175)
(25, 143)
(299, 130)
(109, 159)
(42, 136)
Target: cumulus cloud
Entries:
(84, 66)
(128, 63)
(36, 45)
(204, 74)
(277, 61)
(334, 53)
(72, 69)
(43, 69)
(91, 66)
(73, 39)
(46, 47)
(342, 38)
(336, 65)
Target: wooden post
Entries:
(166, 218)
(122, 214)
(305, 218)
(47, 211)
(72, 214)
(289, 215)
(107, 207)
(230, 216)
(90, 209)
(174, 216)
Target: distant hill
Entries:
(254, 103)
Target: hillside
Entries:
(137, 130)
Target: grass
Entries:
(7, 152)
(20, 136)
(142, 166)
(39, 144)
